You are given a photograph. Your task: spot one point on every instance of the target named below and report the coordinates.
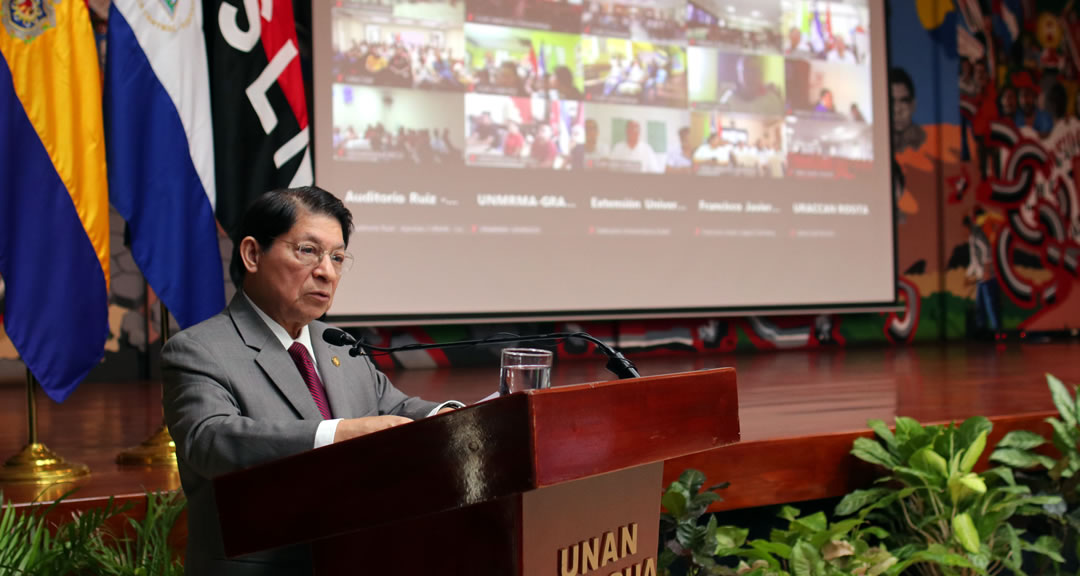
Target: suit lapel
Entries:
(272, 358)
(333, 376)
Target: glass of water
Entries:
(524, 369)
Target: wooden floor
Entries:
(799, 411)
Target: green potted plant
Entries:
(1031, 455)
(85, 545)
(942, 517)
(809, 546)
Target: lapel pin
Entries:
(336, 361)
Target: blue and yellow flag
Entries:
(54, 210)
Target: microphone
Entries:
(617, 364)
(335, 337)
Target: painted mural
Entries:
(986, 142)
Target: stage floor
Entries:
(782, 395)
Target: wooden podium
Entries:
(558, 482)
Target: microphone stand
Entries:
(617, 364)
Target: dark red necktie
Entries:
(314, 385)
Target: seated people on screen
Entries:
(514, 142)
(714, 151)
(825, 104)
(561, 85)
(586, 145)
(543, 152)
(257, 382)
(839, 52)
(424, 145)
(797, 45)
(627, 76)
(404, 64)
(681, 160)
(637, 151)
(856, 114)
(486, 134)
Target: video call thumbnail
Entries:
(448, 12)
(553, 15)
(636, 139)
(427, 55)
(739, 25)
(829, 149)
(627, 72)
(388, 125)
(831, 30)
(523, 63)
(728, 144)
(829, 91)
(661, 21)
(734, 82)
(524, 132)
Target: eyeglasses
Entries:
(312, 255)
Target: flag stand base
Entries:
(37, 464)
(157, 450)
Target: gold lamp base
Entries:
(157, 450)
(37, 464)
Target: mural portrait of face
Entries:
(902, 94)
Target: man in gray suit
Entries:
(256, 382)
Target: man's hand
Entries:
(353, 427)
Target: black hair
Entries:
(275, 213)
(900, 76)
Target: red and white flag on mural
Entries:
(261, 131)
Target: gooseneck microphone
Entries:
(335, 337)
(617, 364)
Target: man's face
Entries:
(684, 142)
(1027, 101)
(289, 291)
(1008, 103)
(980, 76)
(633, 134)
(592, 133)
(903, 106)
(794, 37)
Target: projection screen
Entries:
(573, 158)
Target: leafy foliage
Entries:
(811, 546)
(85, 545)
(1060, 476)
(1019, 448)
(684, 541)
(945, 519)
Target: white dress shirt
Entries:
(324, 434)
(642, 154)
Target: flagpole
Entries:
(159, 449)
(36, 463)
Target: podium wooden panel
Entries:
(498, 488)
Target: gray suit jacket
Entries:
(234, 398)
